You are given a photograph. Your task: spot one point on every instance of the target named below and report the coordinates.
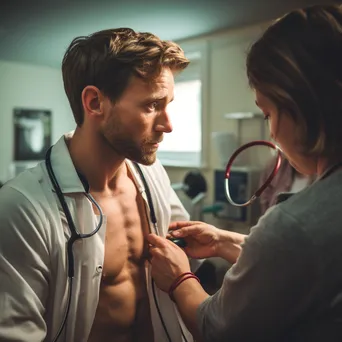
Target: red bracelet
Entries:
(179, 280)
(172, 287)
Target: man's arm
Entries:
(24, 269)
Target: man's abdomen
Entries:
(123, 312)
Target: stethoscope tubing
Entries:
(268, 180)
(76, 235)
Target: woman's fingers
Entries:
(186, 231)
(181, 224)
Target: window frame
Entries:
(197, 51)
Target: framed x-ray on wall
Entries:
(32, 133)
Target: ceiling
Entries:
(38, 32)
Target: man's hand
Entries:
(168, 261)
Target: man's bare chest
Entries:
(126, 228)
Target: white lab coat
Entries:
(33, 263)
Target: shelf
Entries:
(242, 115)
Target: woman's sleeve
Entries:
(268, 287)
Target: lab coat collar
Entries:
(67, 177)
(69, 180)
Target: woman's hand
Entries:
(204, 240)
(201, 238)
(168, 261)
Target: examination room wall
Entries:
(228, 92)
(29, 87)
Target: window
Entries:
(184, 146)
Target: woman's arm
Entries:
(262, 294)
(229, 245)
(204, 240)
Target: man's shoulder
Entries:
(26, 189)
(25, 213)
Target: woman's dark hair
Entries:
(297, 64)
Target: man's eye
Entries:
(153, 105)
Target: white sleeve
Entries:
(24, 269)
(179, 213)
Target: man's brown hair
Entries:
(108, 59)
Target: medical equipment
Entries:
(268, 180)
(243, 182)
(194, 186)
(76, 235)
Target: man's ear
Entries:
(92, 100)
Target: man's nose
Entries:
(164, 123)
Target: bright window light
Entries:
(185, 115)
(183, 147)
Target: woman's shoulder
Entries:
(308, 214)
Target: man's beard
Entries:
(124, 146)
(143, 154)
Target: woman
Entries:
(286, 283)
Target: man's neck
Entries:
(95, 160)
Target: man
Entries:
(119, 84)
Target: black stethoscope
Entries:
(76, 235)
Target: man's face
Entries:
(135, 124)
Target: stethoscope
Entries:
(76, 235)
(268, 180)
(281, 197)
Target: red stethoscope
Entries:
(268, 180)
